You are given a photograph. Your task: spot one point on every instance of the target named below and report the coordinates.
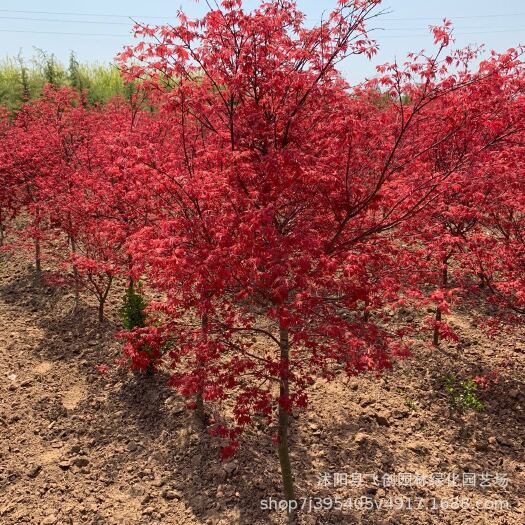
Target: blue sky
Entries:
(97, 30)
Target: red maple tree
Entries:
(288, 189)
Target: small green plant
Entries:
(133, 311)
(411, 404)
(463, 394)
(133, 314)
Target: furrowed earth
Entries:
(80, 447)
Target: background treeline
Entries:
(23, 79)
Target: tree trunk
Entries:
(38, 261)
(102, 299)
(199, 408)
(101, 310)
(199, 399)
(439, 315)
(435, 340)
(76, 277)
(1, 230)
(482, 280)
(284, 421)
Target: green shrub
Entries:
(463, 394)
(133, 310)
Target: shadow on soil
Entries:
(141, 427)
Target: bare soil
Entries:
(77, 447)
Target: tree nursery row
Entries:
(267, 217)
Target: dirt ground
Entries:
(77, 447)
